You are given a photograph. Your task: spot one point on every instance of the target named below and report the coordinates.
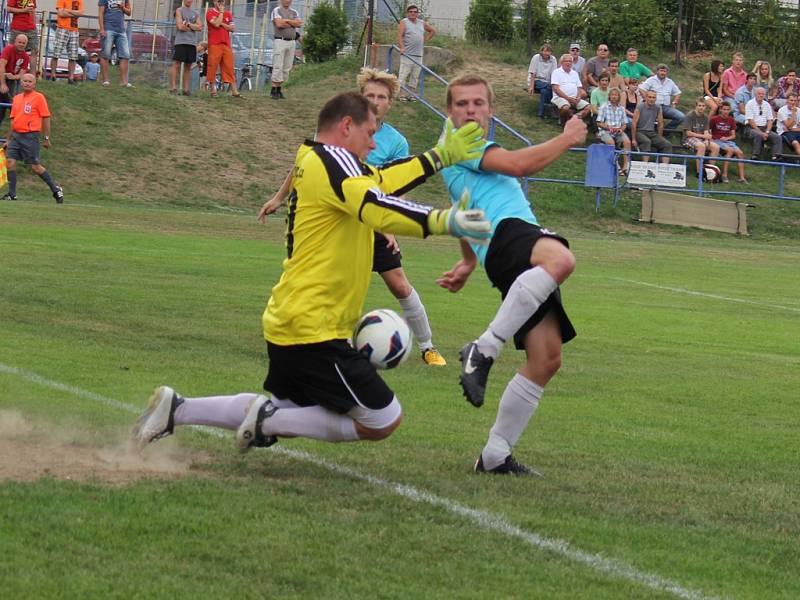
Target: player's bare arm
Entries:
(274, 203)
(454, 279)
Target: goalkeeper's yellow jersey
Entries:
(336, 204)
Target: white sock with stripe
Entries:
(519, 402)
(524, 298)
(417, 319)
(312, 422)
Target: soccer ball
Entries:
(383, 337)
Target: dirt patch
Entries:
(29, 452)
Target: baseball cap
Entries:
(574, 45)
(94, 54)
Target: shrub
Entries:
(541, 20)
(325, 33)
(639, 23)
(569, 23)
(491, 21)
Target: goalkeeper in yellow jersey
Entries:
(317, 385)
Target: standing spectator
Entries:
(568, 93)
(539, 73)
(594, 66)
(14, 63)
(220, 55)
(23, 20)
(111, 17)
(743, 95)
(599, 94)
(697, 133)
(286, 21)
(712, 86)
(617, 80)
(668, 95)
(578, 62)
(786, 85)
(612, 121)
(733, 78)
(789, 123)
(632, 69)
(187, 24)
(647, 128)
(30, 116)
(760, 117)
(92, 68)
(723, 132)
(412, 34)
(68, 12)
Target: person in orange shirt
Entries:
(68, 12)
(30, 116)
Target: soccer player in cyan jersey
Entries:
(381, 89)
(524, 261)
(319, 386)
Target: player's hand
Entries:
(454, 279)
(576, 129)
(457, 145)
(460, 222)
(270, 206)
(391, 243)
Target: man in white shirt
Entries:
(539, 73)
(568, 92)
(789, 122)
(668, 95)
(759, 116)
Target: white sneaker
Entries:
(158, 420)
(249, 434)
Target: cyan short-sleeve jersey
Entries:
(389, 145)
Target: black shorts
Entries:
(509, 256)
(185, 53)
(330, 374)
(24, 147)
(383, 259)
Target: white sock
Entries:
(517, 406)
(218, 411)
(281, 402)
(417, 319)
(524, 298)
(312, 422)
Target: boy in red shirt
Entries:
(723, 132)
(30, 115)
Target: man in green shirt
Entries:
(632, 68)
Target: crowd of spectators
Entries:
(634, 107)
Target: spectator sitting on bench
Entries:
(712, 86)
(631, 97)
(632, 69)
(723, 132)
(760, 117)
(733, 78)
(668, 95)
(600, 94)
(617, 80)
(568, 93)
(763, 71)
(594, 67)
(787, 84)
(578, 62)
(697, 134)
(789, 123)
(539, 73)
(743, 95)
(647, 128)
(611, 121)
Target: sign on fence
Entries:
(657, 174)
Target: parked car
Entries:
(142, 46)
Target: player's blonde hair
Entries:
(369, 75)
(464, 80)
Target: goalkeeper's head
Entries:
(348, 120)
(470, 98)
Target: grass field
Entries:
(668, 440)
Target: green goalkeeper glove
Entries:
(460, 222)
(456, 145)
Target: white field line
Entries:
(678, 290)
(482, 519)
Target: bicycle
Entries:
(244, 81)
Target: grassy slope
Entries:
(144, 146)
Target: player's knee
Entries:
(397, 283)
(562, 265)
(379, 433)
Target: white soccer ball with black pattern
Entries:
(383, 337)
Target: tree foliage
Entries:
(325, 33)
(490, 20)
(639, 23)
